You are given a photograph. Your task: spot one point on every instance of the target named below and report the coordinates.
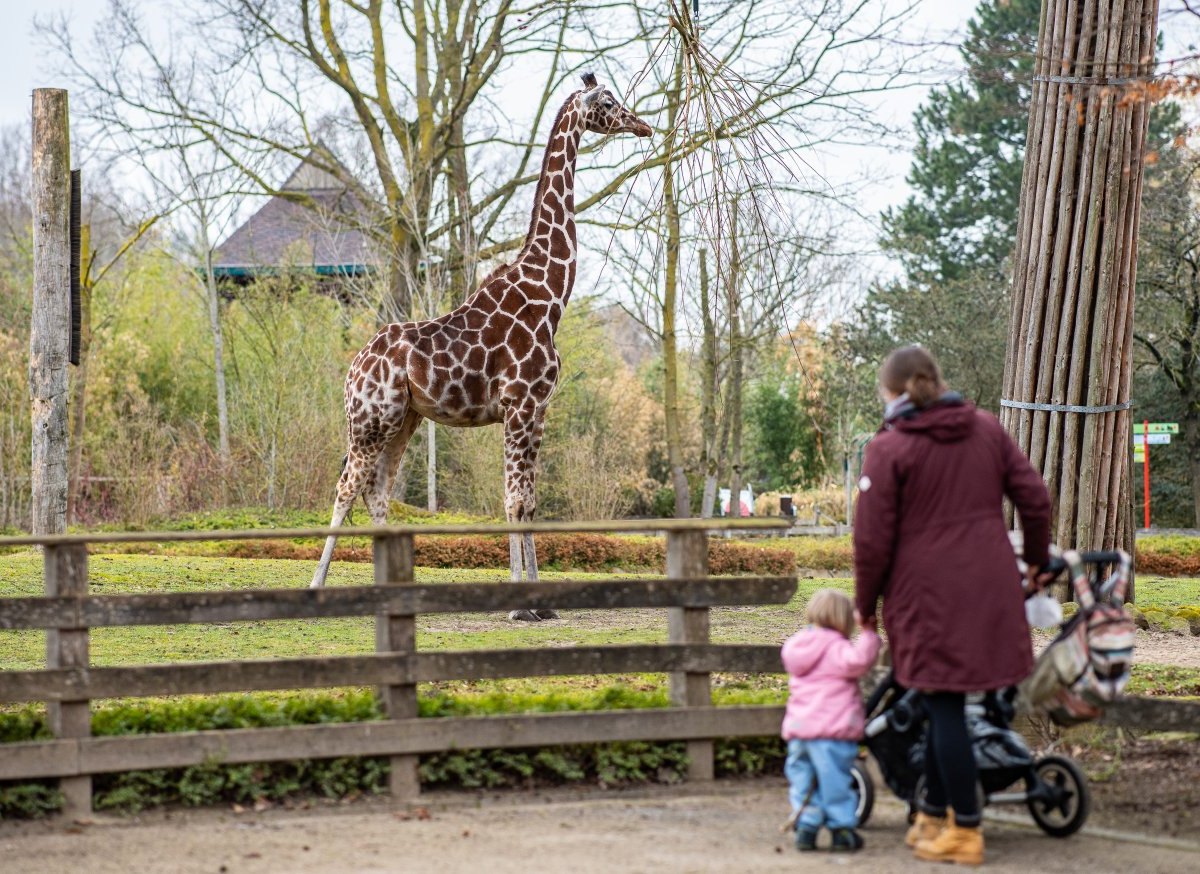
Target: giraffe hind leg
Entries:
(377, 490)
(354, 475)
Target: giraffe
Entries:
(492, 360)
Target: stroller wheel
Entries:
(863, 788)
(1061, 801)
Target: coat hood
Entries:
(948, 421)
(805, 649)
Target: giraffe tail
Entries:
(345, 461)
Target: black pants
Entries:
(950, 773)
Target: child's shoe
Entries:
(954, 843)
(846, 840)
(924, 828)
(806, 837)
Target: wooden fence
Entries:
(69, 682)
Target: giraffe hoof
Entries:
(523, 616)
(545, 614)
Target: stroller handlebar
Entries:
(1105, 556)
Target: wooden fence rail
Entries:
(69, 683)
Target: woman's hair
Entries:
(913, 371)
(830, 608)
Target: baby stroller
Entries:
(1054, 788)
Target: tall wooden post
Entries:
(687, 559)
(397, 633)
(66, 573)
(50, 329)
(1069, 364)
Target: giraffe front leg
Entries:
(519, 430)
(529, 502)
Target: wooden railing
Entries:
(69, 682)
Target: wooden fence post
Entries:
(397, 632)
(65, 569)
(687, 558)
(50, 325)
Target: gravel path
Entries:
(1152, 648)
(732, 828)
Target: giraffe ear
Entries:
(589, 80)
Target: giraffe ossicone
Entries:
(490, 361)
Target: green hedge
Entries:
(216, 783)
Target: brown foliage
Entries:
(1167, 564)
(577, 552)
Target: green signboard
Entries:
(1158, 427)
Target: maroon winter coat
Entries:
(930, 537)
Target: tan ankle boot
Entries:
(924, 828)
(954, 843)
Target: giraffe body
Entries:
(491, 360)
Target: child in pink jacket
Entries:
(824, 718)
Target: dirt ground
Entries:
(728, 828)
(1147, 784)
(1151, 648)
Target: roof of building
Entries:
(326, 238)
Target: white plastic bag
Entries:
(1043, 611)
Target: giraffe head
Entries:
(604, 114)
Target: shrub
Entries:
(557, 552)
(607, 764)
(1169, 555)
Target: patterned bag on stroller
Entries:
(1087, 665)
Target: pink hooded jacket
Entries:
(823, 701)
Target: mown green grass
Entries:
(21, 575)
(1167, 593)
(1180, 545)
(240, 518)
(820, 553)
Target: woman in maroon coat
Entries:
(930, 538)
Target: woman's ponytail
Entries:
(913, 371)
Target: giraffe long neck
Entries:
(551, 236)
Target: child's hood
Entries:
(804, 649)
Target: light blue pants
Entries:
(824, 767)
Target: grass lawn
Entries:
(21, 574)
(1167, 593)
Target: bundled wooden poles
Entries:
(1067, 377)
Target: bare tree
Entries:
(403, 85)
(745, 100)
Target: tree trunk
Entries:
(737, 366)
(50, 328)
(1191, 433)
(737, 350)
(79, 384)
(709, 461)
(683, 499)
(1071, 328)
(218, 341)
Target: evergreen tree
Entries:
(954, 236)
(966, 171)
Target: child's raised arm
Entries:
(853, 658)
